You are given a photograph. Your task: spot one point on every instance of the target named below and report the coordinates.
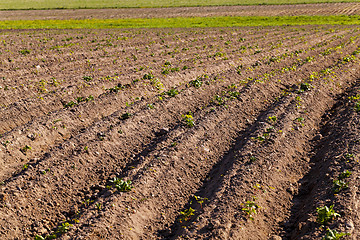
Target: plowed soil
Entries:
(233, 133)
(262, 10)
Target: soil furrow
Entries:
(332, 154)
(226, 202)
(139, 209)
(222, 149)
(71, 121)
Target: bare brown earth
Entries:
(262, 10)
(273, 127)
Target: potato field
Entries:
(199, 133)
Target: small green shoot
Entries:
(87, 78)
(218, 100)
(344, 174)
(70, 104)
(357, 106)
(172, 92)
(125, 116)
(25, 149)
(272, 119)
(121, 185)
(150, 106)
(250, 208)
(326, 214)
(200, 200)
(38, 237)
(339, 185)
(304, 87)
(334, 235)
(186, 215)
(98, 206)
(197, 83)
(188, 119)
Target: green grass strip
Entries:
(74, 4)
(181, 22)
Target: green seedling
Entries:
(80, 99)
(188, 119)
(253, 159)
(197, 83)
(300, 119)
(354, 98)
(98, 206)
(233, 94)
(165, 71)
(309, 59)
(339, 185)
(87, 202)
(125, 116)
(334, 235)
(272, 119)
(24, 51)
(114, 89)
(70, 104)
(87, 78)
(38, 237)
(250, 208)
(219, 100)
(186, 215)
(172, 92)
(270, 129)
(150, 106)
(25, 149)
(148, 76)
(357, 106)
(200, 200)
(326, 214)
(5, 143)
(63, 228)
(349, 155)
(89, 98)
(304, 87)
(121, 185)
(344, 174)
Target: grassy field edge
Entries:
(82, 4)
(180, 22)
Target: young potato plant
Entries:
(172, 92)
(250, 208)
(272, 119)
(339, 185)
(60, 230)
(334, 235)
(25, 149)
(357, 106)
(121, 185)
(186, 215)
(344, 174)
(125, 116)
(200, 200)
(197, 83)
(188, 119)
(326, 214)
(304, 87)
